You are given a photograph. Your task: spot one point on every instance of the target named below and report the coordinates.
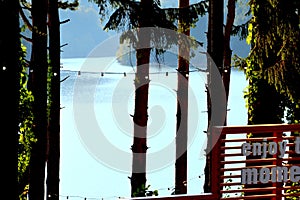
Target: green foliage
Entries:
(273, 34)
(240, 30)
(228, 188)
(144, 191)
(26, 135)
(294, 192)
(279, 44)
(23, 195)
(126, 14)
(66, 5)
(239, 63)
(50, 75)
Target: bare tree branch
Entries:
(26, 38)
(25, 19)
(65, 21)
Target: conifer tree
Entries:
(44, 83)
(53, 150)
(215, 45)
(273, 68)
(10, 85)
(38, 86)
(182, 107)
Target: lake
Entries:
(96, 127)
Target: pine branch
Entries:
(240, 30)
(66, 5)
(126, 12)
(64, 79)
(26, 38)
(63, 45)
(25, 5)
(65, 21)
(25, 19)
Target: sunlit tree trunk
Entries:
(215, 47)
(10, 85)
(182, 109)
(38, 86)
(140, 118)
(54, 118)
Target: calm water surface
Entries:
(84, 175)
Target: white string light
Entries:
(89, 198)
(186, 182)
(227, 68)
(119, 197)
(127, 73)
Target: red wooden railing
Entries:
(231, 161)
(228, 162)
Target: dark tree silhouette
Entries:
(182, 107)
(140, 118)
(10, 85)
(215, 44)
(38, 86)
(226, 71)
(44, 83)
(53, 161)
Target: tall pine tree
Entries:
(273, 68)
(53, 154)
(10, 86)
(215, 45)
(182, 106)
(38, 86)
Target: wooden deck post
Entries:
(278, 163)
(215, 162)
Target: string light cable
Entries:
(171, 188)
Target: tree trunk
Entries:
(140, 118)
(215, 47)
(54, 120)
(227, 50)
(38, 85)
(182, 109)
(10, 86)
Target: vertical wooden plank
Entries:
(278, 163)
(215, 162)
